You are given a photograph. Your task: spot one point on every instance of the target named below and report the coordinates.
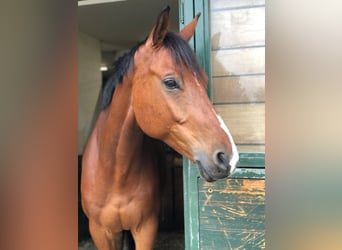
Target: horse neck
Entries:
(120, 138)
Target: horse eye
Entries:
(171, 83)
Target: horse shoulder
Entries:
(93, 195)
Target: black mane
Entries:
(181, 53)
(120, 69)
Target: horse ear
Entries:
(188, 31)
(160, 30)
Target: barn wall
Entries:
(89, 84)
(238, 69)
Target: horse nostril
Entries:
(220, 157)
(222, 160)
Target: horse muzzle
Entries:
(220, 166)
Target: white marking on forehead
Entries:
(235, 154)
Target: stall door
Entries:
(230, 44)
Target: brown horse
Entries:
(160, 96)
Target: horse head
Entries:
(170, 100)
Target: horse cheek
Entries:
(149, 118)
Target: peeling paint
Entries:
(232, 214)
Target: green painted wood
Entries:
(186, 14)
(232, 214)
(203, 41)
(249, 173)
(191, 216)
(228, 213)
(251, 160)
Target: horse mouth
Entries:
(203, 172)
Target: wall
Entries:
(89, 84)
(238, 69)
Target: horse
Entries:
(160, 97)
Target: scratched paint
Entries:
(232, 214)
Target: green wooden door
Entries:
(230, 213)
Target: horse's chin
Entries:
(205, 175)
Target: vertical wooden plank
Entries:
(191, 217)
(202, 40)
(207, 47)
(186, 10)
